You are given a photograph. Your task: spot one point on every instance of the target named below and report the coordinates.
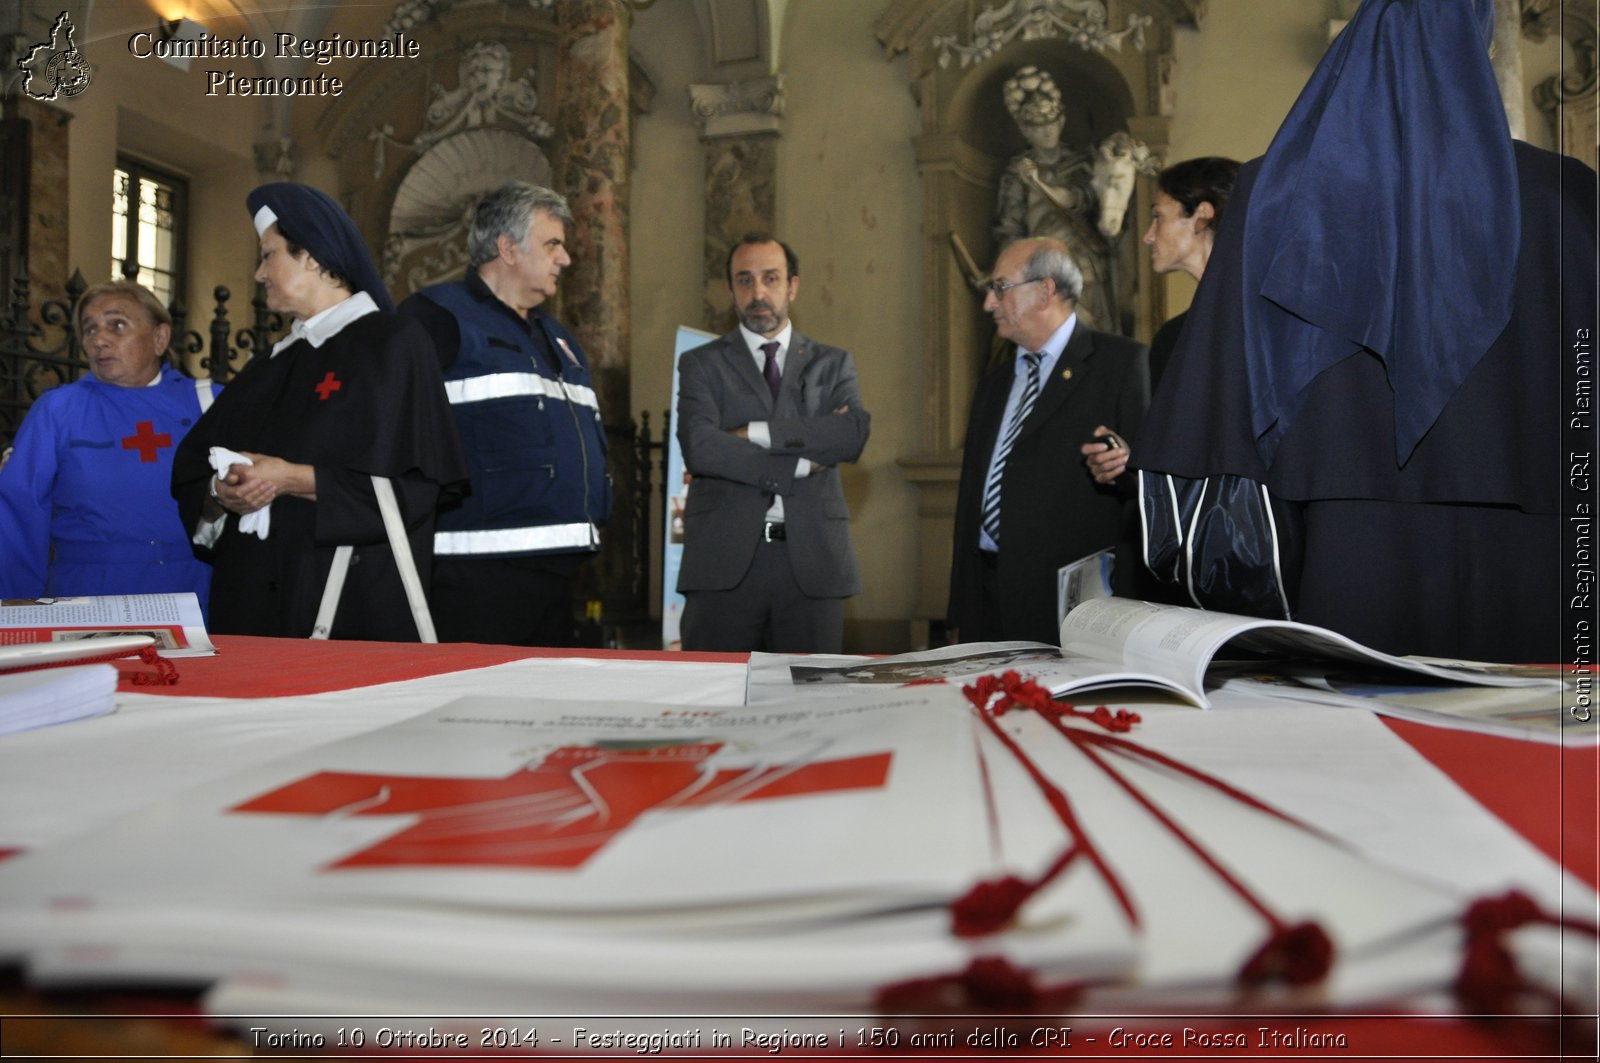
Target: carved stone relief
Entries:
(475, 136)
(418, 145)
(432, 209)
(1085, 23)
(1568, 101)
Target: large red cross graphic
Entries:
(146, 440)
(554, 814)
(329, 385)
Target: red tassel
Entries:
(992, 983)
(1488, 982)
(1492, 915)
(989, 906)
(1298, 955)
(165, 674)
(1009, 691)
(1122, 722)
(989, 984)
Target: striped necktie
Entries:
(997, 472)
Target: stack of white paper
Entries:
(49, 696)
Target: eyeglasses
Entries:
(1000, 288)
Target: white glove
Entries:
(259, 522)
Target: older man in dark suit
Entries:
(1039, 475)
(764, 417)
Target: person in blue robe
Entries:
(84, 502)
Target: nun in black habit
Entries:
(1381, 338)
(351, 393)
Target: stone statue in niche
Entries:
(1049, 190)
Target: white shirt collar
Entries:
(754, 340)
(320, 328)
(1060, 337)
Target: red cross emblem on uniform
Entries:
(329, 385)
(553, 814)
(146, 440)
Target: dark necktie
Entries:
(770, 370)
(991, 487)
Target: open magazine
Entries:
(1112, 642)
(172, 621)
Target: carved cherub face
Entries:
(484, 69)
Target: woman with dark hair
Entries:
(1190, 197)
(282, 482)
(84, 507)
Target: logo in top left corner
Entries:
(55, 69)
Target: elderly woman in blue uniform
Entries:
(279, 476)
(84, 503)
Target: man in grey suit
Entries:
(764, 417)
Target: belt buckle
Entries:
(767, 529)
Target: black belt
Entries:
(773, 532)
(989, 559)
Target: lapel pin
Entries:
(1066, 374)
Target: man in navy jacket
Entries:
(524, 400)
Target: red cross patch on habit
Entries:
(329, 385)
(553, 814)
(146, 440)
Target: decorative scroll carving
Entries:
(485, 97)
(433, 207)
(1568, 100)
(278, 157)
(738, 107)
(1084, 23)
(1542, 19)
(408, 14)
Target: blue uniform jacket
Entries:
(85, 506)
(525, 404)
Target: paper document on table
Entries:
(1110, 642)
(174, 621)
(590, 807)
(1540, 713)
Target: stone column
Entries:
(40, 238)
(593, 129)
(739, 128)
